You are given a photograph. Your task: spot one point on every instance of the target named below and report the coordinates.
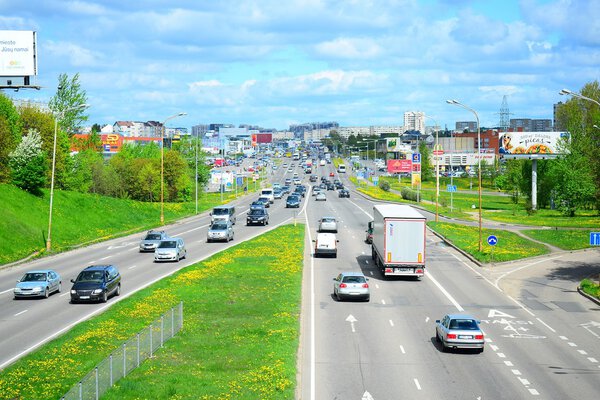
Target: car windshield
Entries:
(463, 324)
(218, 227)
(257, 212)
(34, 277)
(153, 236)
(328, 219)
(354, 279)
(90, 276)
(167, 244)
(220, 211)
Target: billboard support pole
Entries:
(534, 184)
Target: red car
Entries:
(331, 174)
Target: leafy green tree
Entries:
(10, 134)
(510, 181)
(427, 169)
(86, 164)
(63, 104)
(28, 164)
(574, 186)
(176, 176)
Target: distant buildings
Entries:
(531, 125)
(469, 126)
(414, 121)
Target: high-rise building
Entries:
(414, 121)
(530, 125)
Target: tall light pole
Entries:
(60, 115)
(162, 164)
(578, 95)
(456, 103)
(437, 167)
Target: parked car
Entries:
(220, 231)
(344, 193)
(292, 201)
(257, 217)
(459, 331)
(38, 283)
(172, 249)
(96, 283)
(326, 244)
(321, 197)
(351, 285)
(328, 224)
(151, 240)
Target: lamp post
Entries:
(578, 95)
(60, 115)
(437, 168)
(456, 103)
(162, 165)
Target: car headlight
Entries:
(73, 291)
(97, 291)
(37, 289)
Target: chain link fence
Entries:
(128, 356)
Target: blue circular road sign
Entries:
(492, 240)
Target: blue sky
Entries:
(273, 63)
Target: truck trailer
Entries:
(398, 246)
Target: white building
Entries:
(414, 121)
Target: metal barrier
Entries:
(128, 356)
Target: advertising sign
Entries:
(397, 166)
(526, 143)
(18, 54)
(393, 144)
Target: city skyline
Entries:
(277, 64)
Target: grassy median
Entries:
(239, 340)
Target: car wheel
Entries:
(437, 337)
(59, 287)
(118, 291)
(104, 297)
(481, 350)
(444, 347)
(46, 293)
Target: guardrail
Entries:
(128, 356)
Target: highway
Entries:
(543, 340)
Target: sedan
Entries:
(459, 331)
(39, 283)
(344, 193)
(172, 249)
(221, 230)
(265, 201)
(328, 224)
(321, 197)
(351, 285)
(292, 201)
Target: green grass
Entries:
(590, 287)
(81, 218)
(239, 340)
(566, 239)
(510, 245)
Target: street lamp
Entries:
(162, 163)
(456, 103)
(578, 95)
(437, 167)
(60, 115)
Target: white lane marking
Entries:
(520, 305)
(534, 392)
(516, 371)
(376, 285)
(524, 381)
(402, 349)
(391, 322)
(508, 363)
(488, 340)
(195, 229)
(105, 258)
(417, 384)
(132, 267)
(313, 361)
(64, 294)
(360, 208)
(91, 262)
(501, 355)
(6, 291)
(592, 359)
(19, 313)
(494, 347)
(427, 319)
(383, 301)
(524, 266)
(563, 337)
(448, 296)
(582, 352)
(572, 344)
(371, 273)
(547, 326)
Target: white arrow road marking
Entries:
(588, 327)
(352, 320)
(367, 396)
(496, 313)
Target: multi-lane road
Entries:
(543, 340)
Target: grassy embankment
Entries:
(590, 287)
(81, 218)
(239, 340)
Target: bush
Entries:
(384, 185)
(408, 194)
(590, 287)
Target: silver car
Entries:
(220, 231)
(321, 197)
(39, 283)
(351, 285)
(172, 249)
(459, 331)
(328, 224)
(151, 241)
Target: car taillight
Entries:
(419, 271)
(388, 270)
(479, 337)
(452, 336)
(343, 285)
(365, 285)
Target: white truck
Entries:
(398, 246)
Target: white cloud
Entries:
(351, 48)
(77, 55)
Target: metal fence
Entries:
(128, 356)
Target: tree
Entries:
(28, 164)
(68, 96)
(10, 134)
(427, 170)
(85, 164)
(510, 181)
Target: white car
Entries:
(351, 285)
(171, 249)
(328, 224)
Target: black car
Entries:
(292, 201)
(344, 193)
(330, 186)
(96, 283)
(258, 216)
(300, 190)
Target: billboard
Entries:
(527, 143)
(396, 166)
(18, 53)
(394, 145)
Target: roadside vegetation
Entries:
(590, 287)
(239, 339)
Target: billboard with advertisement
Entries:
(18, 53)
(394, 145)
(527, 143)
(397, 166)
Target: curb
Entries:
(589, 297)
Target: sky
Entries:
(274, 63)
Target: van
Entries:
(341, 169)
(223, 213)
(268, 193)
(326, 244)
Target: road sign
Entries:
(451, 188)
(594, 238)
(375, 180)
(416, 157)
(492, 240)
